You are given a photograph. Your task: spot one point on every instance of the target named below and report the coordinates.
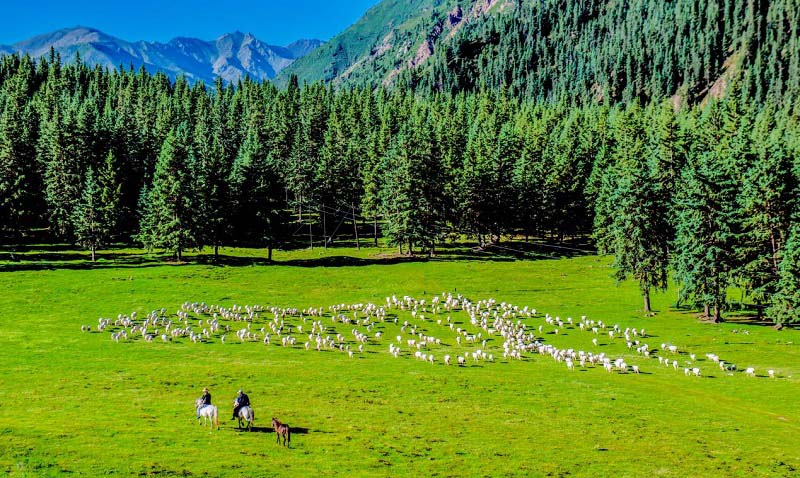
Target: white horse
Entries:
(207, 412)
(245, 415)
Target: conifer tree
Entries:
(636, 231)
(706, 223)
(95, 215)
(169, 215)
(764, 206)
(18, 171)
(257, 192)
(785, 303)
(211, 172)
(62, 151)
(412, 197)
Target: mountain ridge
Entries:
(231, 56)
(567, 50)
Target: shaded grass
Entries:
(73, 403)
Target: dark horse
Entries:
(281, 429)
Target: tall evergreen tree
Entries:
(785, 303)
(95, 215)
(706, 227)
(212, 174)
(257, 192)
(18, 170)
(637, 231)
(169, 215)
(765, 203)
(412, 197)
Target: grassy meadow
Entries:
(81, 404)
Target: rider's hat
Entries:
(205, 389)
(240, 391)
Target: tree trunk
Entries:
(94, 250)
(355, 227)
(431, 250)
(325, 226)
(310, 237)
(300, 210)
(717, 315)
(775, 264)
(375, 229)
(269, 252)
(706, 311)
(179, 254)
(647, 302)
(216, 252)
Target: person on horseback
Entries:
(206, 400)
(241, 400)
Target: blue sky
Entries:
(272, 21)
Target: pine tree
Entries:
(211, 172)
(478, 179)
(706, 226)
(94, 218)
(637, 230)
(18, 171)
(412, 199)
(257, 192)
(62, 152)
(168, 218)
(764, 202)
(785, 303)
(527, 181)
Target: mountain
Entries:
(391, 36)
(573, 50)
(301, 48)
(231, 56)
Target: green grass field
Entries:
(81, 404)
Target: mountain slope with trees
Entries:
(564, 49)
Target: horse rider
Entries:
(241, 400)
(206, 400)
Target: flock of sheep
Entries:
(447, 329)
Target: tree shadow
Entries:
(37, 257)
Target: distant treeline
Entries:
(707, 193)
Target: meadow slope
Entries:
(81, 404)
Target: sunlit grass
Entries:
(79, 403)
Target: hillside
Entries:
(362, 52)
(230, 56)
(554, 49)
